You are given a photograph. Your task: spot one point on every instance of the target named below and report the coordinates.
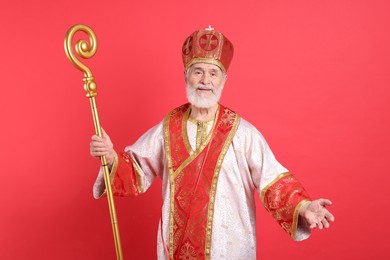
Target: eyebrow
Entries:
(211, 70)
(198, 68)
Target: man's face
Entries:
(204, 84)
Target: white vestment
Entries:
(249, 165)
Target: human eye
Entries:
(198, 73)
(214, 74)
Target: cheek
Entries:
(217, 83)
(192, 82)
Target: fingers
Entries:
(325, 223)
(313, 226)
(97, 142)
(102, 146)
(320, 225)
(97, 151)
(325, 202)
(322, 222)
(102, 138)
(329, 216)
(98, 138)
(98, 147)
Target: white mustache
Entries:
(199, 100)
(207, 87)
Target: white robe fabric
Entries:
(249, 166)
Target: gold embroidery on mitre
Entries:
(207, 46)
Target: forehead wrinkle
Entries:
(205, 67)
(211, 70)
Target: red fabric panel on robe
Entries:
(282, 199)
(124, 182)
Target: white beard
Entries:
(199, 100)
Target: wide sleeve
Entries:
(135, 169)
(281, 193)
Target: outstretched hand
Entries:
(315, 213)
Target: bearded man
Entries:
(211, 162)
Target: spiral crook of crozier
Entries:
(85, 50)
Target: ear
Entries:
(225, 77)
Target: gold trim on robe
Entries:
(193, 181)
(283, 198)
(234, 119)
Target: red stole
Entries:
(193, 180)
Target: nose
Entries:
(206, 79)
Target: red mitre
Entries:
(207, 46)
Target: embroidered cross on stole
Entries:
(193, 180)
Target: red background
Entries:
(312, 76)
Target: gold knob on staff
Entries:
(87, 50)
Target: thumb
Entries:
(104, 134)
